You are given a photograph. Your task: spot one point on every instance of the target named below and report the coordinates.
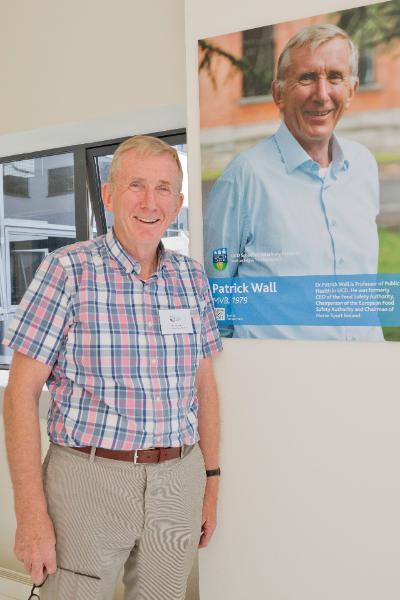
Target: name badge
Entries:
(175, 320)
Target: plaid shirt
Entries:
(117, 381)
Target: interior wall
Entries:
(89, 71)
(76, 61)
(81, 72)
(310, 447)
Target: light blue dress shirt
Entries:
(277, 215)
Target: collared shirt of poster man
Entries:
(304, 201)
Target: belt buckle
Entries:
(136, 454)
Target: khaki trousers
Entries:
(110, 514)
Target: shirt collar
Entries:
(294, 155)
(339, 161)
(128, 262)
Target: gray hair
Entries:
(314, 36)
(144, 145)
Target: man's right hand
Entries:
(35, 539)
(35, 543)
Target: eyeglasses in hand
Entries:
(36, 587)
(33, 594)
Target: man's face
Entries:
(145, 198)
(317, 91)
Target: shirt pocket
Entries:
(188, 346)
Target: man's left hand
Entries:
(209, 517)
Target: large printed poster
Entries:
(300, 150)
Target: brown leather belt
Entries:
(151, 455)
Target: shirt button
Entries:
(333, 223)
(154, 361)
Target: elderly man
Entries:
(123, 332)
(302, 202)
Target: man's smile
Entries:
(147, 221)
(318, 113)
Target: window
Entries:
(366, 71)
(25, 249)
(31, 224)
(44, 205)
(61, 181)
(258, 50)
(177, 235)
(16, 178)
(23, 264)
(38, 206)
(16, 186)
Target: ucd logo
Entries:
(220, 258)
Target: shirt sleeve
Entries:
(210, 337)
(41, 320)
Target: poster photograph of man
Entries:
(300, 151)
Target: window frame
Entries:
(174, 137)
(87, 193)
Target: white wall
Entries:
(86, 71)
(311, 448)
(68, 62)
(82, 71)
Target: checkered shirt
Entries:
(117, 381)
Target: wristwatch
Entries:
(213, 472)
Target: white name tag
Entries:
(176, 320)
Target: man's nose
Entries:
(321, 90)
(148, 199)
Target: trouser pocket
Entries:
(66, 584)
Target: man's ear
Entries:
(107, 197)
(179, 203)
(277, 94)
